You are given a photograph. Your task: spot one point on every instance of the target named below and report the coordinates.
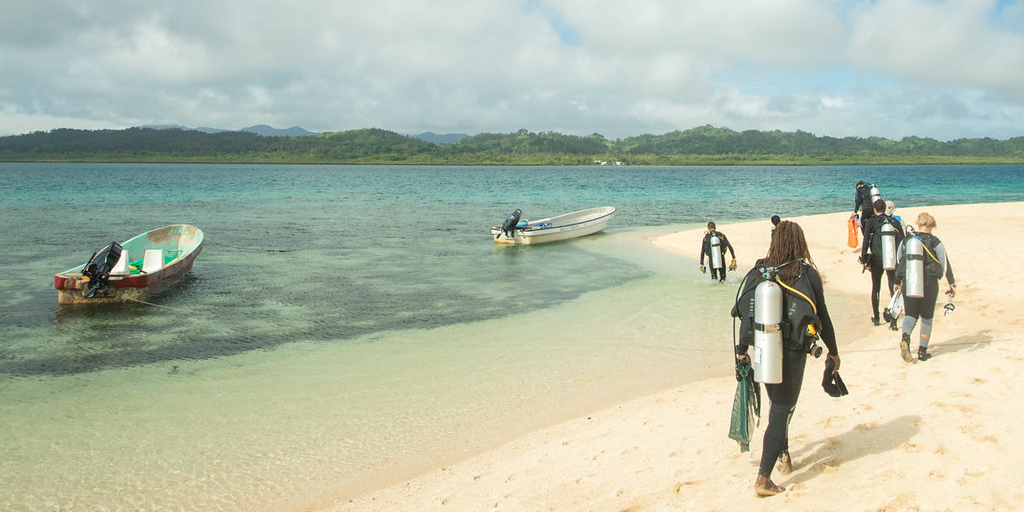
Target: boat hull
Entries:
(182, 242)
(563, 227)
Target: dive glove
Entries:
(732, 266)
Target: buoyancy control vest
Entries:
(932, 265)
(798, 309)
(866, 202)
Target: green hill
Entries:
(704, 145)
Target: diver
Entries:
(922, 263)
(880, 241)
(714, 245)
(864, 203)
(890, 210)
(789, 260)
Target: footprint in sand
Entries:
(910, 447)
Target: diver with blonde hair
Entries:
(935, 264)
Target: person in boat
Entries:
(714, 245)
(789, 259)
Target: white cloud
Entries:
(950, 68)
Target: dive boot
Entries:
(905, 348)
(923, 355)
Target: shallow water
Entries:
(345, 325)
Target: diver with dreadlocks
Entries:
(804, 316)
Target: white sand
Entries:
(940, 435)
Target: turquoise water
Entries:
(346, 325)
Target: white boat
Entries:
(562, 227)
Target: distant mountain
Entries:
(438, 138)
(259, 129)
(269, 131)
(180, 127)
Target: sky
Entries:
(946, 69)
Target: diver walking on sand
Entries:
(922, 263)
(714, 245)
(787, 287)
(882, 235)
(863, 202)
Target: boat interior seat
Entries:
(121, 267)
(153, 260)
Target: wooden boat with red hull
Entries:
(133, 270)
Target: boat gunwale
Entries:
(533, 230)
(76, 271)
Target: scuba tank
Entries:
(875, 194)
(914, 282)
(716, 252)
(767, 360)
(888, 247)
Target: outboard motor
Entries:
(510, 223)
(915, 268)
(99, 267)
(888, 247)
(767, 361)
(716, 252)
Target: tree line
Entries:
(704, 145)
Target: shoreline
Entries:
(932, 435)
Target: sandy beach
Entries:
(937, 435)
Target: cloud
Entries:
(834, 68)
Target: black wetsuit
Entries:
(716, 273)
(784, 395)
(863, 202)
(873, 242)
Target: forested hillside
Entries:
(705, 145)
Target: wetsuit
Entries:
(934, 268)
(716, 273)
(863, 202)
(784, 395)
(873, 242)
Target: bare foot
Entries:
(785, 465)
(765, 487)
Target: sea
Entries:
(350, 326)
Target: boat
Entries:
(563, 227)
(131, 271)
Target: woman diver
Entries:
(921, 283)
(789, 264)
